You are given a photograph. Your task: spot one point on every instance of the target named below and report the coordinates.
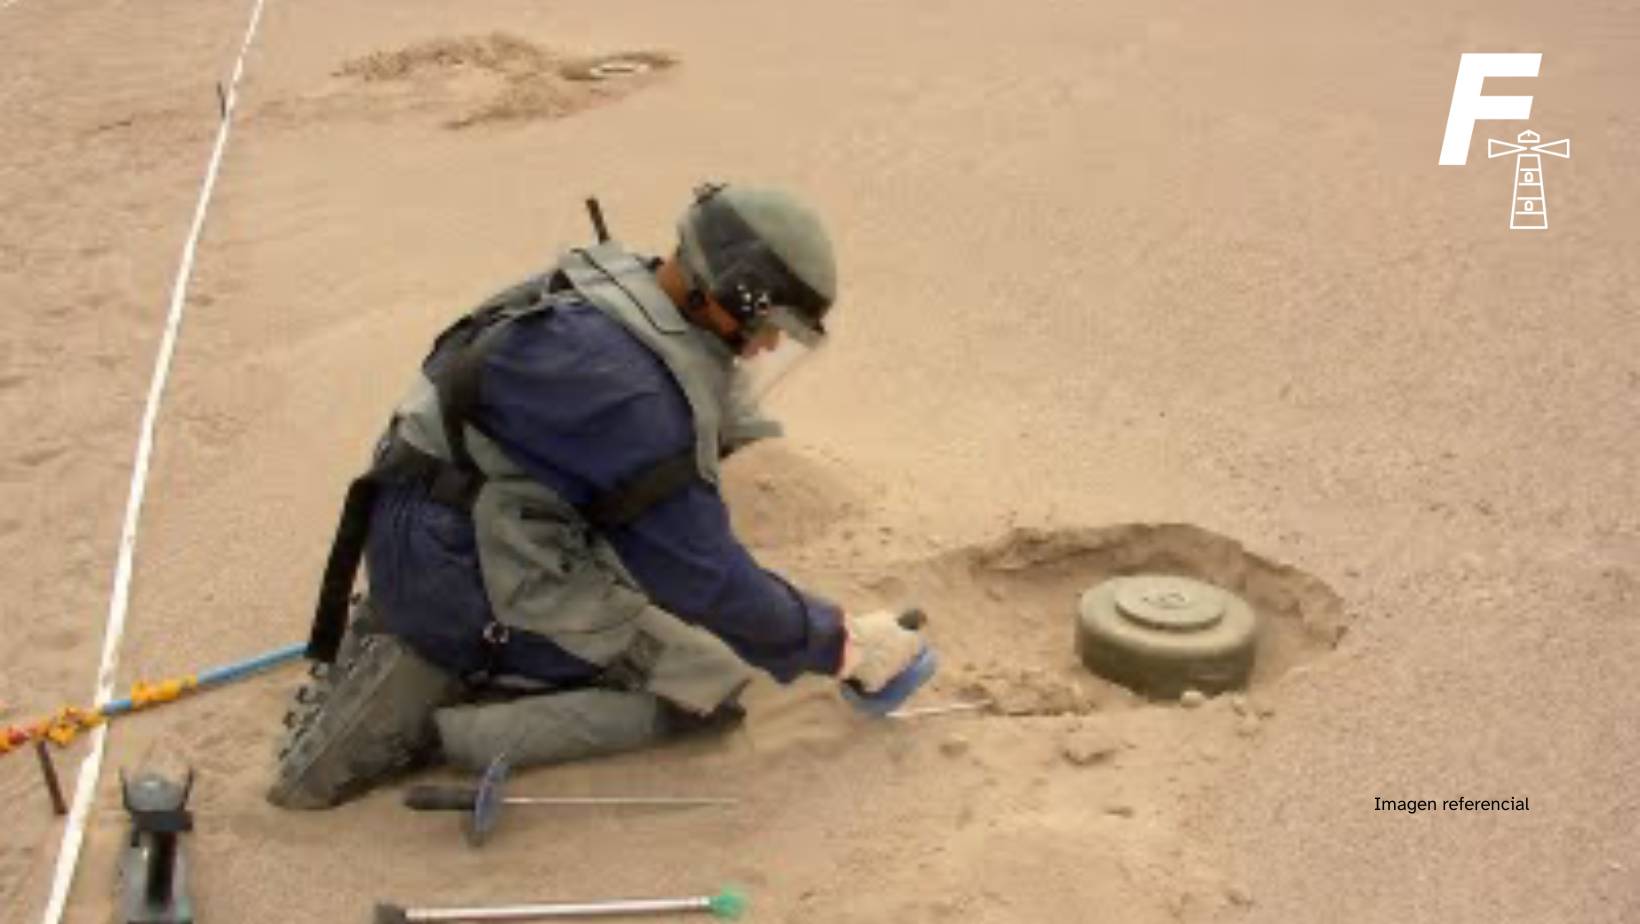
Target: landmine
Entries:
(1161, 635)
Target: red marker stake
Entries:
(49, 771)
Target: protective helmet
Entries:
(763, 256)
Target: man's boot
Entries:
(361, 720)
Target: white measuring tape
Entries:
(90, 769)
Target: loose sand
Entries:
(1124, 286)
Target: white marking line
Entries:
(85, 787)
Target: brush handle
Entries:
(441, 798)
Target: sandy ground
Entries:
(1106, 267)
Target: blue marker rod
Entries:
(232, 672)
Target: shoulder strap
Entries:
(459, 386)
(459, 383)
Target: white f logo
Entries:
(1469, 106)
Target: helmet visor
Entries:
(770, 366)
(795, 326)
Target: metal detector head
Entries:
(488, 801)
(149, 794)
(153, 875)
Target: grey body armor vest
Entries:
(543, 570)
(620, 286)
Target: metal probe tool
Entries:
(483, 802)
(726, 905)
(921, 712)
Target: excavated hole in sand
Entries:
(502, 78)
(1004, 614)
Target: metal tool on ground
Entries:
(726, 905)
(923, 712)
(617, 67)
(63, 726)
(887, 700)
(153, 872)
(483, 803)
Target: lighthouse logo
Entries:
(1529, 208)
(1528, 201)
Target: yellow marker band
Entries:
(148, 694)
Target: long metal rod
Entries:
(561, 910)
(615, 800)
(919, 712)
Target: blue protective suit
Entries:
(580, 404)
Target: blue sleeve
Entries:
(582, 407)
(685, 554)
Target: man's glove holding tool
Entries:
(885, 659)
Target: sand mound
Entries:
(781, 499)
(507, 54)
(1004, 611)
(505, 78)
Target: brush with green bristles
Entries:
(726, 905)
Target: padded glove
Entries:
(877, 649)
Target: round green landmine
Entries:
(1162, 634)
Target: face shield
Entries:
(785, 343)
(740, 254)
